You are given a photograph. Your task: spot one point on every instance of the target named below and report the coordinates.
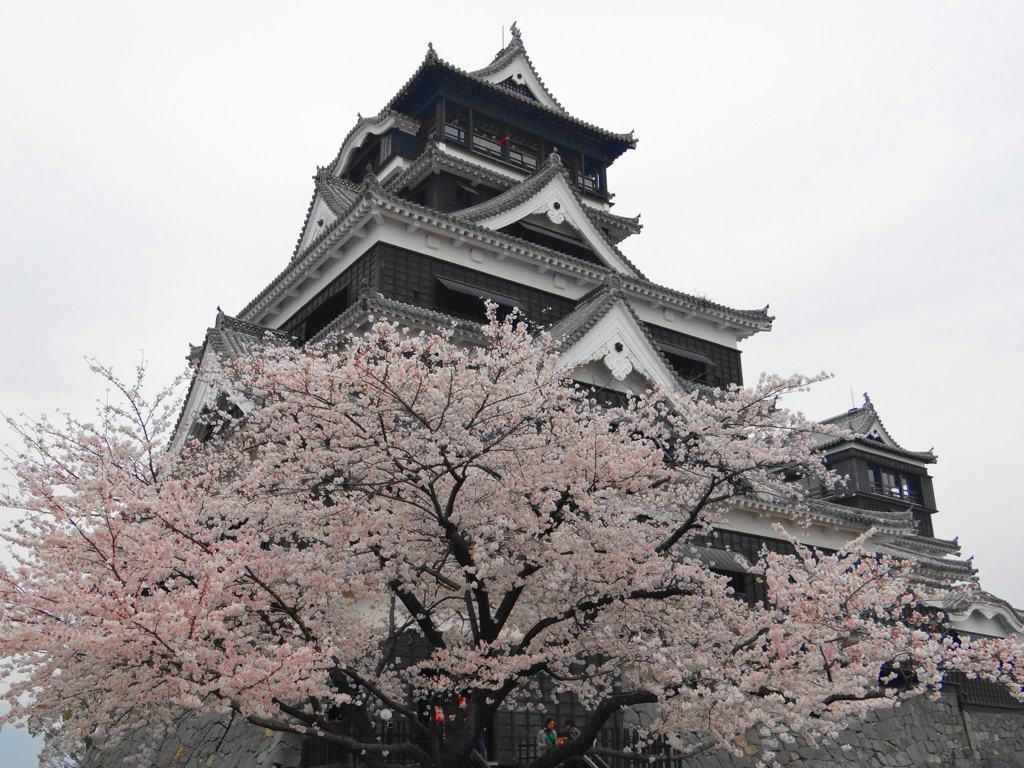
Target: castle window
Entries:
(455, 131)
(385, 148)
(487, 143)
(591, 182)
(890, 482)
(319, 312)
(521, 155)
(455, 124)
(689, 365)
(469, 301)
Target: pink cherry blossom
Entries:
(397, 520)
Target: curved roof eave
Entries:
(371, 194)
(433, 157)
(506, 59)
(366, 126)
(891, 523)
(431, 59)
(861, 421)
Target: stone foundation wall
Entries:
(919, 732)
(208, 742)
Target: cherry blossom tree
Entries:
(400, 522)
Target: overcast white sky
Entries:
(859, 166)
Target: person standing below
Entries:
(546, 736)
(571, 733)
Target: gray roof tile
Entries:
(861, 421)
(432, 59)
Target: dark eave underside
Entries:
(435, 76)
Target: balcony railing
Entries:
(455, 132)
(589, 181)
(514, 154)
(486, 146)
(907, 494)
(523, 157)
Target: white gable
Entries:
(878, 433)
(521, 73)
(321, 217)
(202, 395)
(557, 201)
(622, 352)
(980, 619)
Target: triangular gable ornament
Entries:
(619, 345)
(556, 200)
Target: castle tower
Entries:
(479, 186)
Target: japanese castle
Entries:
(474, 186)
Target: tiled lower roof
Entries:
(339, 194)
(962, 602)
(231, 338)
(860, 421)
(432, 157)
(899, 523)
(371, 194)
(937, 570)
(369, 307)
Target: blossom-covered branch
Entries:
(402, 522)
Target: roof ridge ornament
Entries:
(514, 31)
(370, 181)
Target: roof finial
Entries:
(514, 31)
(554, 157)
(370, 179)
